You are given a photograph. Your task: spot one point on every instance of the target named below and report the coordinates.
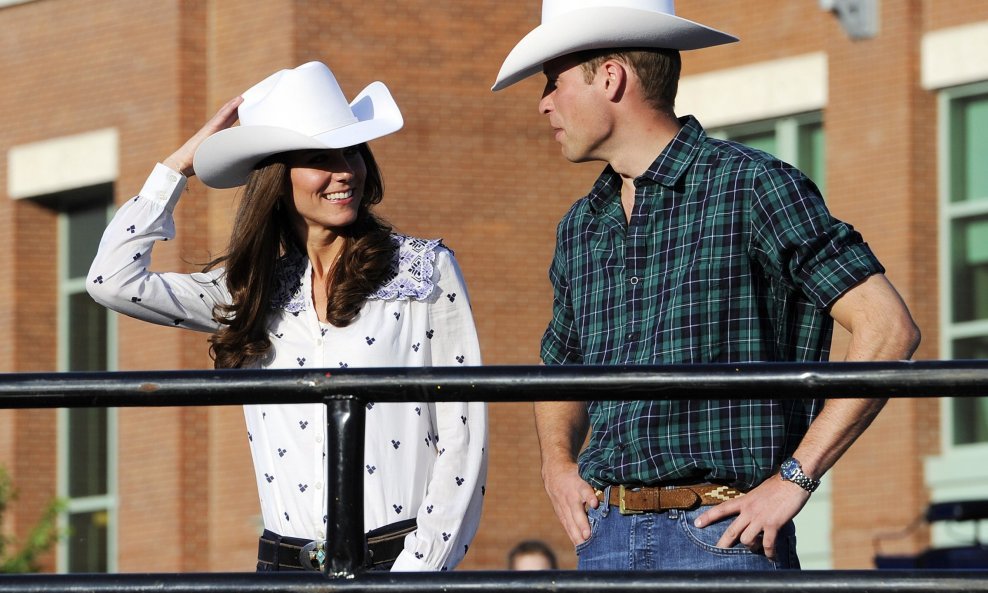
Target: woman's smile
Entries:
(341, 196)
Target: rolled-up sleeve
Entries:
(797, 238)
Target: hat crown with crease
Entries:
(553, 8)
(570, 26)
(299, 109)
(316, 101)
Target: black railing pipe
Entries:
(498, 384)
(885, 581)
(346, 392)
(344, 455)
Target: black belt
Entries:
(277, 552)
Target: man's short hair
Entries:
(532, 546)
(657, 69)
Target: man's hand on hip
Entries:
(760, 515)
(570, 496)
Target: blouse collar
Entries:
(412, 275)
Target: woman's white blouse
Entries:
(422, 460)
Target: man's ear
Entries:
(614, 79)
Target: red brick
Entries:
(478, 169)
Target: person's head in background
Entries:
(532, 555)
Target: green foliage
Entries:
(42, 536)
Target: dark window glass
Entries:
(970, 413)
(87, 452)
(812, 155)
(969, 254)
(762, 141)
(86, 334)
(969, 140)
(84, 231)
(87, 541)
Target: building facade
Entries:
(884, 103)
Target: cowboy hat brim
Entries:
(226, 158)
(601, 28)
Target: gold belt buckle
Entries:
(621, 507)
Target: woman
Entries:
(312, 278)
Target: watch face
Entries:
(789, 469)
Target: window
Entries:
(797, 140)
(73, 176)
(86, 435)
(964, 255)
(959, 472)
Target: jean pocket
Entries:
(706, 538)
(785, 549)
(594, 516)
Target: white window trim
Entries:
(763, 90)
(63, 163)
(948, 57)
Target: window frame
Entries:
(67, 287)
(949, 213)
(958, 471)
(787, 138)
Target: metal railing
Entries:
(346, 392)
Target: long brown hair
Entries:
(263, 232)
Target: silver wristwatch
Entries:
(792, 471)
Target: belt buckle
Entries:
(621, 507)
(312, 553)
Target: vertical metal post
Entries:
(345, 486)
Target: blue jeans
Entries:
(670, 541)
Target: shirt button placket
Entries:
(634, 263)
(633, 289)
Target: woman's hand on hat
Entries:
(181, 159)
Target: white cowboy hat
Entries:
(297, 109)
(574, 25)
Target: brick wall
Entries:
(476, 168)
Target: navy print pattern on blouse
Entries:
(396, 328)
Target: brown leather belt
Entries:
(656, 499)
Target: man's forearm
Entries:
(881, 329)
(562, 428)
(832, 433)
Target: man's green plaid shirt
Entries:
(730, 256)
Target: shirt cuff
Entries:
(164, 187)
(833, 278)
(409, 563)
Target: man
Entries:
(532, 554)
(687, 250)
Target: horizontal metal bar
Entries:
(890, 581)
(497, 383)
